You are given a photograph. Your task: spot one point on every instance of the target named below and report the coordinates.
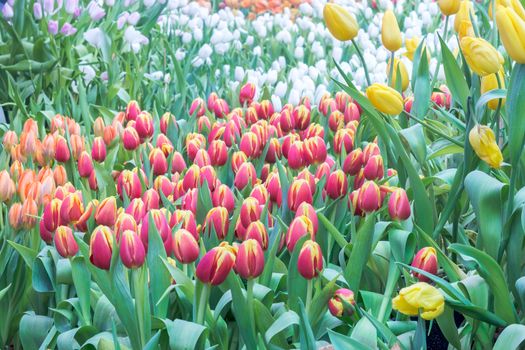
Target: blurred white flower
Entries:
(89, 73)
(133, 18)
(180, 54)
(134, 39)
(205, 51)
(95, 11)
(94, 37)
(239, 73)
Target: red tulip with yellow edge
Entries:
(426, 260)
(101, 247)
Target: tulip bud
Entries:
(481, 56)
(257, 231)
(221, 108)
(274, 151)
(132, 110)
(250, 259)
(10, 140)
(124, 222)
(144, 125)
(385, 99)
(51, 214)
(301, 115)
(65, 242)
(15, 216)
(85, 164)
(299, 227)
(82, 223)
(197, 107)
(390, 33)
(250, 211)
(62, 153)
(449, 7)
(403, 74)
(136, 209)
(158, 162)
(130, 138)
(216, 264)
(47, 236)
(185, 247)
(217, 219)
(273, 185)
(426, 260)
(71, 208)
(218, 153)
(223, 196)
(465, 12)
(202, 158)
(106, 213)
(101, 247)
(298, 193)
(343, 138)
(310, 260)
(296, 155)
(7, 186)
(336, 185)
(187, 221)
(308, 210)
(129, 182)
(369, 197)
(341, 24)
(178, 164)
(247, 93)
(245, 176)
(132, 252)
(60, 175)
(98, 152)
(161, 227)
(373, 169)
(336, 304)
(353, 162)
(483, 142)
(398, 205)
(511, 28)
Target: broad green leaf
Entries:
(455, 79)
(511, 338)
(185, 335)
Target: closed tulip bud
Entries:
(130, 138)
(238, 159)
(426, 260)
(403, 74)
(85, 165)
(158, 162)
(481, 56)
(151, 199)
(373, 169)
(257, 231)
(178, 164)
(187, 221)
(29, 213)
(299, 227)
(250, 211)
(336, 120)
(10, 140)
(370, 150)
(511, 28)
(265, 109)
(310, 260)
(15, 216)
(7, 186)
(144, 125)
(343, 139)
(62, 153)
(136, 209)
(51, 214)
(465, 12)
(296, 155)
(82, 223)
(369, 197)
(124, 222)
(132, 110)
(161, 227)
(308, 210)
(197, 107)
(489, 83)
(340, 302)
(449, 7)
(101, 247)
(71, 209)
(218, 153)
(351, 112)
(210, 103)
(247, 93)
(106, 213)
(47, 236)
(250, 116)
(98, 127)
(221, 108)
(390, 33)
(98, 152)
(65, 242)
(110, 134)
(336, 184)
(341, 24)
(245, 176)
(302, 117)
(385, 99)
(273, 185)
(202, 158)
(128, 182)
(185, 246)
(353, 162)
(250, 145)
(483, 142)
(223, 196)
(398, 205)
(286, 120)
(274, 151)
(60, 175)
(411, 44)
(216, 264)
(217, 220)
(250, 259)
(132, 252)
(298, 193)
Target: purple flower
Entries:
(68, 29)
(37, 11)
(49, 6)
(133, 18)
(121, 21)
(70, 6)
(95, 11)
(7, 11)
(52, 27)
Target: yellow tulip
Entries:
(385, 99)
(341, 24)
(481, 56)
(449, 7)
(512, 4)
(390, 33)
(403, 72)
(465, 29)
(411, 46)
(489, 83)
(466, 10)
(482, 140)
(512, 32)
(420, 297)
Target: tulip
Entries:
(250, 145)
(353, 162)
(60, 175)
(245, 176)
(221, 108)
(65, 242)
(512, 32)
(426, 260)
(390, 33)
(144, 125)
(85, 165)
(343, 139)
(101, 247)
(124, 222)
(128, 182)
(218, 152)
(257, 231)
(301, 116)
(489, 83)
(299, 227)
(465, 12)
(158, 162)
(106, 213)
(274, 151)
(178, 164)
(62, 153)
(218, 220)
(187, 221)
(7, 186)
(411, 45)
(136, 209)
(250, 211)
(296, 155)
(132, 252)
(286, 121)
(81, 224)
(483, 142)
(336, 120)
(223, 196)
(385, 99)
(273, 185)
(373, 169)
(465, 29)
(247, 93)
(29, 213)
(132, 110)
(369, 197)
(71, 208)
(339, 301)
(130, 138)
(398, 205)
(337, 184)
(298, 193)
(403, 74)
(15, 216)
(341, 24)
(160, 227)
(250, 259)
(151, 199)
(51, 214)
(216, 264)
(420, 298)
(310, 260)
(202, 158)
(47, 236)
(449, 7)
(238, 159)
(185, 246)
(481, 56)
(197, 108)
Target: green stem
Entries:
(203, 303)
(138, 289)
(360, 55)
(438, 64)
(249, 302)
(185, 269)
(510, 205)
(309, 290)
(391, 72)
(433, 129)
(393, 275)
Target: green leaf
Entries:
(489, 96)
(28, 254)
(422, 89)
(415, 137)
(455, 79)
(362, 247)
(343, 342)
(285, 321)
(515, 107)
(448, 327)
(511, 337)
(34, 329)
(365, 333)
(296, 282)
(306, 334)
(185, 335)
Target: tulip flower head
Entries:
(341, 24)
(426, 260)
(338, 304)
(420, 298)
(481, 56)
(310, 260)
(216, 264)
(250, 259)
(483, 142)
(390, 33)
(65, 242)
(385, 99)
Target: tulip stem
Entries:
(391, 71)
(203, 303)
(393, 275)
(249, 302)
(309, 290)
(360, 55)
(438, 58)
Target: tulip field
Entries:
(262, 174)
